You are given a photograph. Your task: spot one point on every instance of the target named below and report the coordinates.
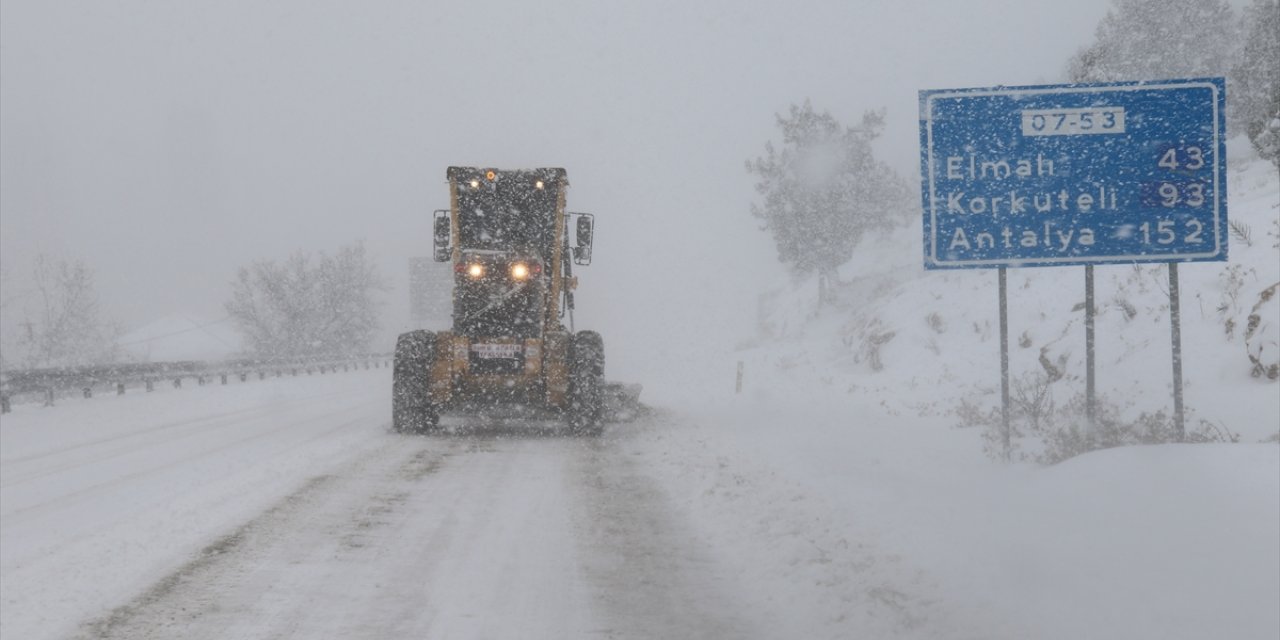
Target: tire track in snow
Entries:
(136, 619)
(654, 576)
(508, 533)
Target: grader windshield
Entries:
(509, 210)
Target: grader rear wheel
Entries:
(586, 384)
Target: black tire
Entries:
(586, 384)
(411, 408)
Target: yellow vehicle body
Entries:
(507, 235)
(542, 379)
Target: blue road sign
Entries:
(1074, 174)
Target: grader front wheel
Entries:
(411, 408)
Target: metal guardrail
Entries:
(46, 385)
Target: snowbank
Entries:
(840, 468)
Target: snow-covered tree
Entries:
(307, 307)
(824, 189)
(6, 322)
(1255, 79)
(1158, 39)
(62, 325)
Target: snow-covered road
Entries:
(291, 511)
(285, 508)
(488, 536)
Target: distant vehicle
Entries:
(509, 238)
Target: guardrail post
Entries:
(262, 375)
(119, 388)
(244, 377)
(224, 378)
(4, 403)
(88, 392)
(151, 385)
(200, 381)
(48, 397)
(177, 383)
(295, 372)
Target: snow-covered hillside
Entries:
(924, 342)
(843, 467)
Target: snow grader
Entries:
(513, 247)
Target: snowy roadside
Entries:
(859, 507)
(855, 523)
(100, 498)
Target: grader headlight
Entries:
(475, 270)
(524, 270)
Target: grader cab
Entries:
(513, 247)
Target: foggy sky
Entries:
(167, 144)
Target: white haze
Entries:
(167, 144)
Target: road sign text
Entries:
(1074, 174)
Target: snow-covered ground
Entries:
(285, 508)
(854, 483)
(101, 498)
(829, 499)
(857, 522)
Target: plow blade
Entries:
(622, 401)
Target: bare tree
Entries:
(7, 306)
(62, 326)
(304, 307)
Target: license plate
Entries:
(497, 350)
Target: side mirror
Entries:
(441, 236)
(582, 250)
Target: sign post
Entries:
(1005, 440)
(1086, 174)
(1089, 382)
(1175, 324)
